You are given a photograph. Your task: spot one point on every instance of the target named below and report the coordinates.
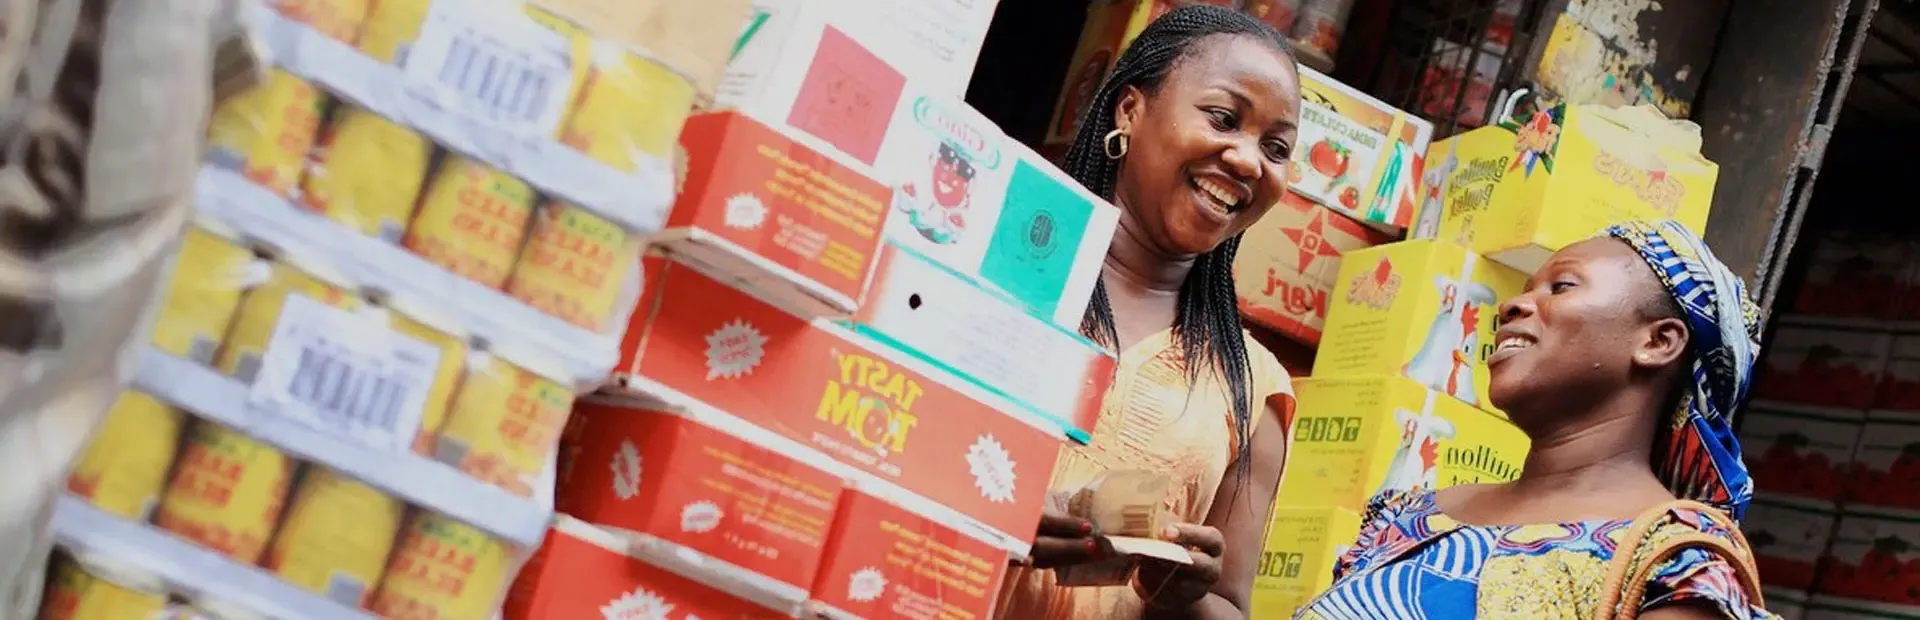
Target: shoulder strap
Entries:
(1625, 587)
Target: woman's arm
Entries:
(1241, 515)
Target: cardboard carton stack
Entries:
(855, 355)
(1833, 437)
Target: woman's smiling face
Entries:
(1208, 148)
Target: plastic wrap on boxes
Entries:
(284, 420)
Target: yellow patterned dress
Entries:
(1154, 420)
(1412, 562)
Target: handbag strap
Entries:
(1625, 587)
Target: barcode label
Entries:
(1136, 520)
(345, 373)
(490, 62)
(345, 589)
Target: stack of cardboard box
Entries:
(855, 357)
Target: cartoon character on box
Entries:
(1431, 201)
(937, 204)
(1445, 360)
(1416, 464)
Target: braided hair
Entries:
(1207, 317)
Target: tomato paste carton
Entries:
(1288, 261)
(1521, 189)
(1297, 563)
(880, 414)
(1424, 309)
(1822, 367)
(759, 517)
(1358, 155)
(884, 561)
(1799, 453)
(1873, 565)
(962, 191)
(924, 308)
(1853, 275)
(1886, 465)
(1788, 537)
(795, 221)
(1899, 393)
(1357, 436)
(582, 571)
(935, 41)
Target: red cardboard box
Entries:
(793, 219)
(1288, 264)
(582, 572)
(1875, 560)
(1822, 367)
(886, 562)
(1788, 539)
(1795, 454)
(665, 476)
(697, 341)
(1886, 465)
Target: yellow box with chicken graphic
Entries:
(1357, 436)
(1520, 190)
(1296, 564)
(1422, 309)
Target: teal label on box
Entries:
(1039, 233)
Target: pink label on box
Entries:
(848, 97)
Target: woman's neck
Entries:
(1609, 459)
(1133, 258)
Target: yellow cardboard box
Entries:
(1358, 436)
(1519, 190)
(1423, 309)
(1296, 564)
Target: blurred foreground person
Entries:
(103, 106)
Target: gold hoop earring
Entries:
(1116, 144)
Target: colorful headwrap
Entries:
(1703, 458)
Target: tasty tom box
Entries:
(1424, 309)
(921, 307)
(1856, 275)
(1899, 392)
(670, 478)
(884, 561)
(1357, 436)
(961, 191)
(1285, 272)
(1798, 454)
(1822, 367)
(581, 571)
(1519, 190)
(797, 222)
(874, 409)
(1788, 539)
(1297, 562)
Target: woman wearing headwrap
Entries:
(1621, 361)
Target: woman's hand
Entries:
(1167, 585)
(1063, 540)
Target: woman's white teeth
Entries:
(1515, 342)
(1221, 193)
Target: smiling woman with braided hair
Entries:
(1189, 137)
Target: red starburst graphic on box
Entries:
(1312, 241)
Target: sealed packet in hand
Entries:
(1125, 507)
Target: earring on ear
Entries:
(1642, 358)
(1116, 143)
